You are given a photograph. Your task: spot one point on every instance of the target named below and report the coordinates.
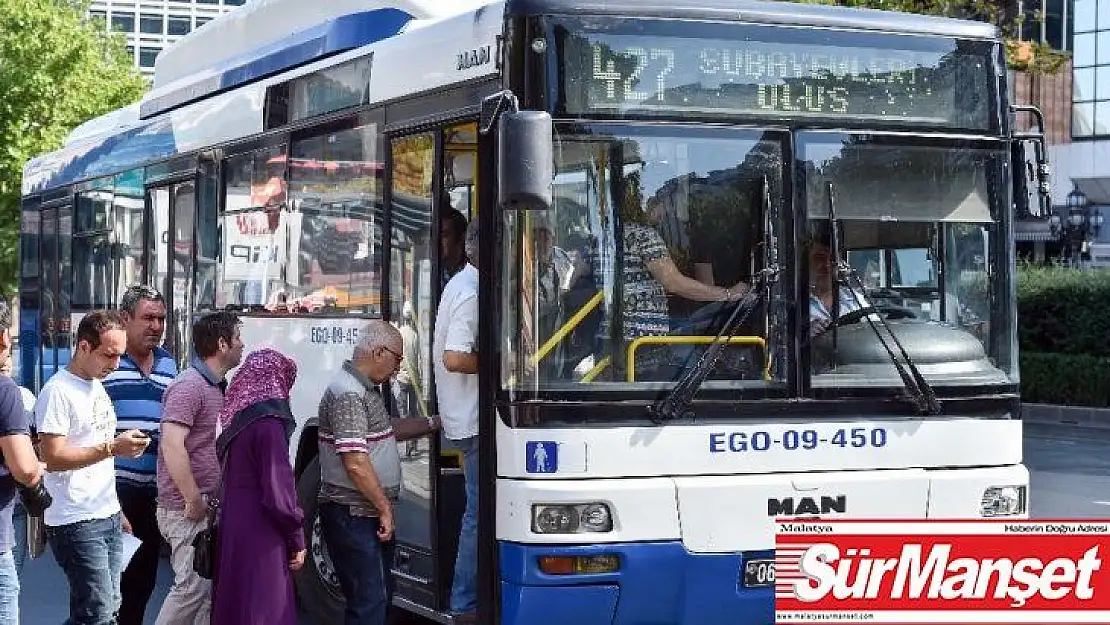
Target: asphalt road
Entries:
(1069, 471)
(1070, 478)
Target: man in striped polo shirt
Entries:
(360, 472)
(136, 389)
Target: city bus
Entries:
(667, 194)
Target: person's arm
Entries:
(459, 350)
(20, 458)
(52, 413)
(15, 439)
(181, 403)
(650, 246)
(415, 427)
(677, 283)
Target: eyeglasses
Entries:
(395, 354)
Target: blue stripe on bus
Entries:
(334, 36)
(658, 582)
(156, 138)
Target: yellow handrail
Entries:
(566, 328)
(596, 371)
(683, 340)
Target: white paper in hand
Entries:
(130, 546)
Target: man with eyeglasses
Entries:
(360, 472)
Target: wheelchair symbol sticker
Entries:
(542, 456)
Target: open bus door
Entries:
(430, 170)
(433, 488)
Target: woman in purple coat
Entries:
(261, 540)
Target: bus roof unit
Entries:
(272, 36)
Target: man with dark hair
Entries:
(455, 358)
(188, 471)
(136, 388)
(76, 422)
(452, 251)
(21, 467)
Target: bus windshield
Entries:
(919, 225)
(653, 230)
(656, 228)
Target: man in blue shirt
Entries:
(136, 389)
(20, 466)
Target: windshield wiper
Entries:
(675, 403)
(919, 390)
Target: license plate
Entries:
(758, 573)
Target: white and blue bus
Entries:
(638, 440)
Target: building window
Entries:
(178, 25)
(207, 1)
(234, 3)
(1048, 28)
(98, 15)
(201, 21)
(123, 22)
(147, 56)
(150, 24)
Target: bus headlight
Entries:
(1003, 501)
(574, 518)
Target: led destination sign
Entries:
(939, 84)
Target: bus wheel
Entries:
(317, 585)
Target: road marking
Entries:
(1102, 503)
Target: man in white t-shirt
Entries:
(77, 425)
(455, 355)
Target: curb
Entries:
(1074, 416)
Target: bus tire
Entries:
(321, 599)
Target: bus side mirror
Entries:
(525, 170)
(1032, 188)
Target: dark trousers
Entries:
(362, 563)
(137, 584)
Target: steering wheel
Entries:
(891, 312)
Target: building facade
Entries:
(151, 25)
(1076, 104)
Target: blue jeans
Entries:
(90, 553)
(361, 561)
(19, 520)
(9, 590)
(464, 589)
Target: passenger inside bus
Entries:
(649, 275)
(822, 276)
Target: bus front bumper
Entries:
(656, 583)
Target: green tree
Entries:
(57, 70)
(1007, 15)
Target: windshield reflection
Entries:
(653, 233)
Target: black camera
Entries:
(35, 498)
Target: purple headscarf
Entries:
(259, 389)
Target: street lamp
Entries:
(1076, 230)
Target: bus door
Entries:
(54, 251)
(431, 172)
(173, 207)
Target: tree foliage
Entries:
(57, 70)
(1007, 15)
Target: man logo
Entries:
(806, 506)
